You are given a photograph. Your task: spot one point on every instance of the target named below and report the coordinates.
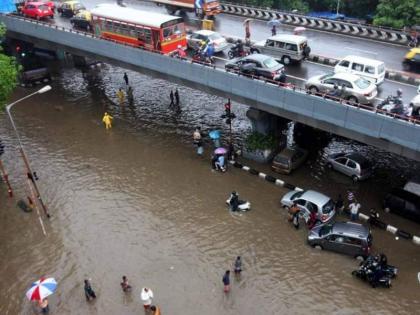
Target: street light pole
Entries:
(22, 151)
(338, 6)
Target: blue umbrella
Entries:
(214, 134)
(273, 22)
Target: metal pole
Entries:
(338, 6)
(22, 151)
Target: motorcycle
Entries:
(235, 52)
(199, 57)
(243, 205)
(374, 277)
(393, 105)
(380, 262)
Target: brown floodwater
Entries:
(137, 201)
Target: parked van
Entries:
(284, 47)
(370, 69)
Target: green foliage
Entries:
(397, 13)
(258, 141)
(8, 73)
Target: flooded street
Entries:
(137, 201)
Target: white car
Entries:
(195, 38)
(416, 101)
(356, 89)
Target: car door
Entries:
(348, 88)
(342, 66)
(29, 10)
(335, 243)
(304, 213)
(357, 68)
(328, 85)
(260, 70)
(340, 164)
(352, 246)
(269, 47)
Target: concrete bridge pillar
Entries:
(266, 123)
(79, 61)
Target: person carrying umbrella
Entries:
(273, 23)
(40, 290)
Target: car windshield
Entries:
(297, 195)
(270, 63)
(43, 7)
(326, 76)
(362, 83)
(326, 229)
(215, 36)
(328, 207)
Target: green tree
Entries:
(397, 13)
(8, 73)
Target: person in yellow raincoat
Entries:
(107, 120)
(120, 95)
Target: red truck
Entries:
(202, 8)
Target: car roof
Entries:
(364, 60)
(406, 195)
(71, 2)
(257, 57)
(204, 32)
(357, 157)
(289, 152)
(351, 229)
(345, 76)
(315, 197)
(289, 38)
(36, 3)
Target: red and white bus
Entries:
(145, 29)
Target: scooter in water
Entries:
(242, 205)
(380, 262)
(374, 277)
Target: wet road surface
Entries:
(137, 201)
(326, 42)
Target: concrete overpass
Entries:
(388, 133)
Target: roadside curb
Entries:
(363, 217)
(35, 83)
(395, 75)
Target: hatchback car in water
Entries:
(350, 87)
(310, 201)
(258, 65)
(194, 40)
(288, 160)
(348, 238)
(353, 165)
(37, 10)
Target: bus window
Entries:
(167, 32)
(109, 26)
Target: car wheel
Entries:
(355, 179)
(255, 51)
(319, 247)
(230, 54)
(286, 60)
(352, 99)
(313, 90)
(387, 209)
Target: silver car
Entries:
(350, 87)
(349, 238)
(194, 40)
(310, 201)
(353, 165)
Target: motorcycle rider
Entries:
(238, 49)
(234, 201)
(180, 53)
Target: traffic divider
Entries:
(389, 35)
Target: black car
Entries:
(412, 60)
(404, 203)
(82, 20)
(258, 65)
(70, 8)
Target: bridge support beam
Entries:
(266, 123)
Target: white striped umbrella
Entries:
(41, 289)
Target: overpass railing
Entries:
(286, 100)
